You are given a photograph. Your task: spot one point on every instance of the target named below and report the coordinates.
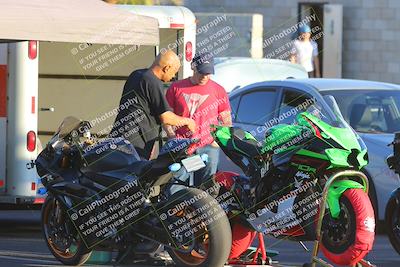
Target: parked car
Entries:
(236, 72)
(371, 108)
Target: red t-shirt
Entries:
(202, 103)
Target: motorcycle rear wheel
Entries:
(392, 221)
(69, 250)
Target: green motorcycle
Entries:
(302, 183)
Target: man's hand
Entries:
(171, 118)
(169, 130)
(191, 125)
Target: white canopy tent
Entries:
(75, 21)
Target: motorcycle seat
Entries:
(248, 146)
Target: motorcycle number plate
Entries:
(193, 163)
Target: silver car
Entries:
(371, 108)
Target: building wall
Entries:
(230, 34)
(370, 31)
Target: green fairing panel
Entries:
(361, 158)
(338, 158)
(301, 120)
(222, 133)
(279, 135)
(343, 136)
(249, 136)
(312, 154)
(335, 192)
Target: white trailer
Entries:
(19, 120)
(43, 82)
(177, 31)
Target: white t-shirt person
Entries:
(305, 51)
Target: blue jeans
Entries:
(202, 175)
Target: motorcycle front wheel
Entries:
(392, 221)
(206, 238)
(348, 239)
(66, 247)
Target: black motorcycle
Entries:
(392, 213)
(102, 195)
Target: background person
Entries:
(305, 52)
(150, 108)
(206, 102)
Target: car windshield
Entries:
(370, 111)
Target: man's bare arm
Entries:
(226, 118)
(172, 119)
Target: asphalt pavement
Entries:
(21, 244)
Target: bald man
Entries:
(143, 107)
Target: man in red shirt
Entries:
(206, 102)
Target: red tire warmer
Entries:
(365, 230)
(242, 237)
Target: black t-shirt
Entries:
(142, 102)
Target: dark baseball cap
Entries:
(204, 63)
